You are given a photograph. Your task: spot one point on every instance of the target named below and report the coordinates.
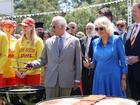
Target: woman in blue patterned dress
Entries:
(109, 61)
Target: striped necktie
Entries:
(132, 39)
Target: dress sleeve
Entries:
(121, 55)
(93, 58)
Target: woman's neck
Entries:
(105, 40)
(8, 36)
(28, 36)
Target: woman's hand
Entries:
(23, 74)
(18, 74)
(123, 83)
(86, 63)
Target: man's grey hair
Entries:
(61, 21)
(90, 24)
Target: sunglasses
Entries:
(53, 27)
(88, 28)
(67, 28)
(72, 27)
(99, 28)
(120, 25)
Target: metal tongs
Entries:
(17, 67)
(19, 61)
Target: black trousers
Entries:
(87, 81)
(134, 85)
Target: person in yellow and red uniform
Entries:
(8, 27)
(28, 48)
(3, 53)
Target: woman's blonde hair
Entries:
(32, 38)
(105, 23)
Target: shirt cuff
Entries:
(77, 81)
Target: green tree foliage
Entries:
(24, 7)
(80, 16)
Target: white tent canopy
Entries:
(6, 8)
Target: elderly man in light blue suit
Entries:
(62, 54)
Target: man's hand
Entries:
(76, 85)
(87, 62)
(29, 66)
(132, 59)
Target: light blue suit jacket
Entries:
(64, 68)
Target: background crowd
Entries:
(103, 59)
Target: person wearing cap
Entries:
(3, 53)
(39, 27)
(29, 47)
(8, 27)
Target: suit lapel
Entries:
(55, 44)
(66, 41)
(137, 32)
(85, 41)
(137, 37)
(130, 30)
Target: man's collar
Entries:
(62, 36)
